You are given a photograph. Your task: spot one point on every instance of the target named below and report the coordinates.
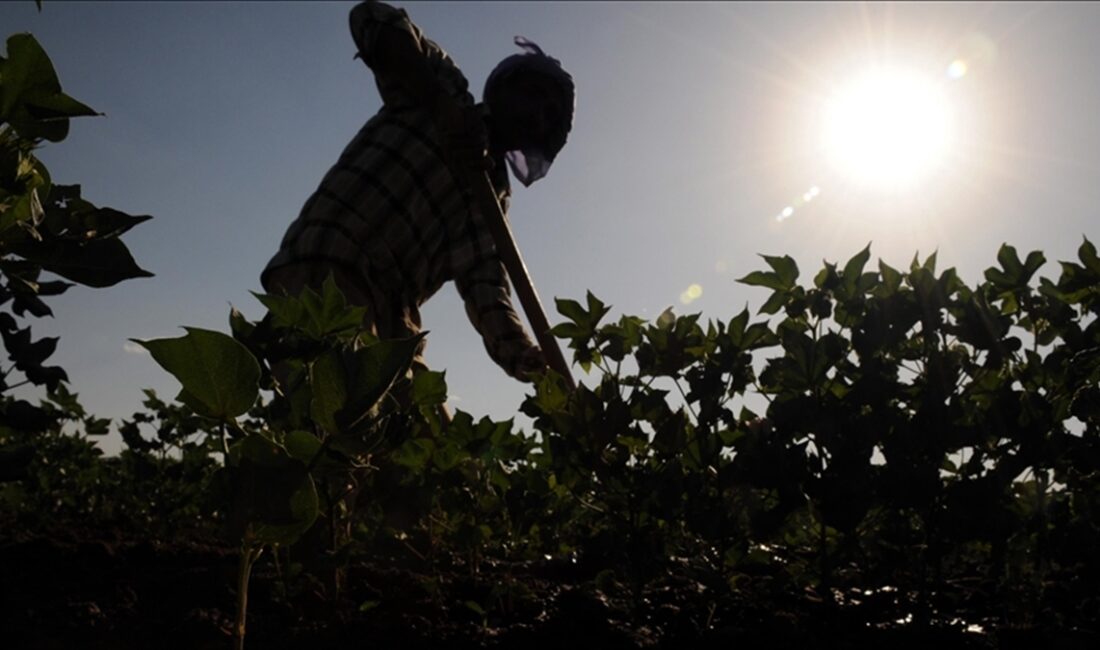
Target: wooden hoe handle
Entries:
(486, 197)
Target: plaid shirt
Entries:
(391, 216)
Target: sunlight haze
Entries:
(888, 128)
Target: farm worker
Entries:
(393, 220)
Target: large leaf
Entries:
(24, 211)
(853, 270)
(329, 382)
(302, 445)
(27, 67)
(317, 314)
(347, 383)
(774, 303)
(302, 506)
(891, 279)
(96, 263)
(429, 391)
(571, 309)
(29, 356)
(737, 325)
(827, 278)
(273, 492)
(929, 263)
(764, 279)
(220, 377)
(108, 222)
(597, 309)
(1087, 255)
(1009, 260)
(781, 280)
(429, 388)
(30, 96)
(785, 267)
(376, 367)
(1013, 274)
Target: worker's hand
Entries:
(465, 137)
(530, 363)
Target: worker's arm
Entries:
(484, 288)
(390, 47)
(395, 54)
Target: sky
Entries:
(705, 134)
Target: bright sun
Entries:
(888, 128)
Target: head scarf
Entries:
(530, 164)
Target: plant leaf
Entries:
(853, 270)
(218, 374)
(764, 279)
(785, 268)
(96, 263)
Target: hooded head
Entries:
(531, 100)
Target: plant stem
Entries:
(249, 555)
(823, 559)
(225, 444)
(680, 388)
(586, 503)
(281, 570)
(1040, 533)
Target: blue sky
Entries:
(697, 125)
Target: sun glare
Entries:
(887, 128)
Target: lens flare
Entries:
(957, 69)
(691, 294)
(798, 203)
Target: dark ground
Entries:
(76, 588)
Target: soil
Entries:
(78, 588)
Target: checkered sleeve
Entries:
(365, 20)
(484, 288)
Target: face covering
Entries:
(529, 165)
